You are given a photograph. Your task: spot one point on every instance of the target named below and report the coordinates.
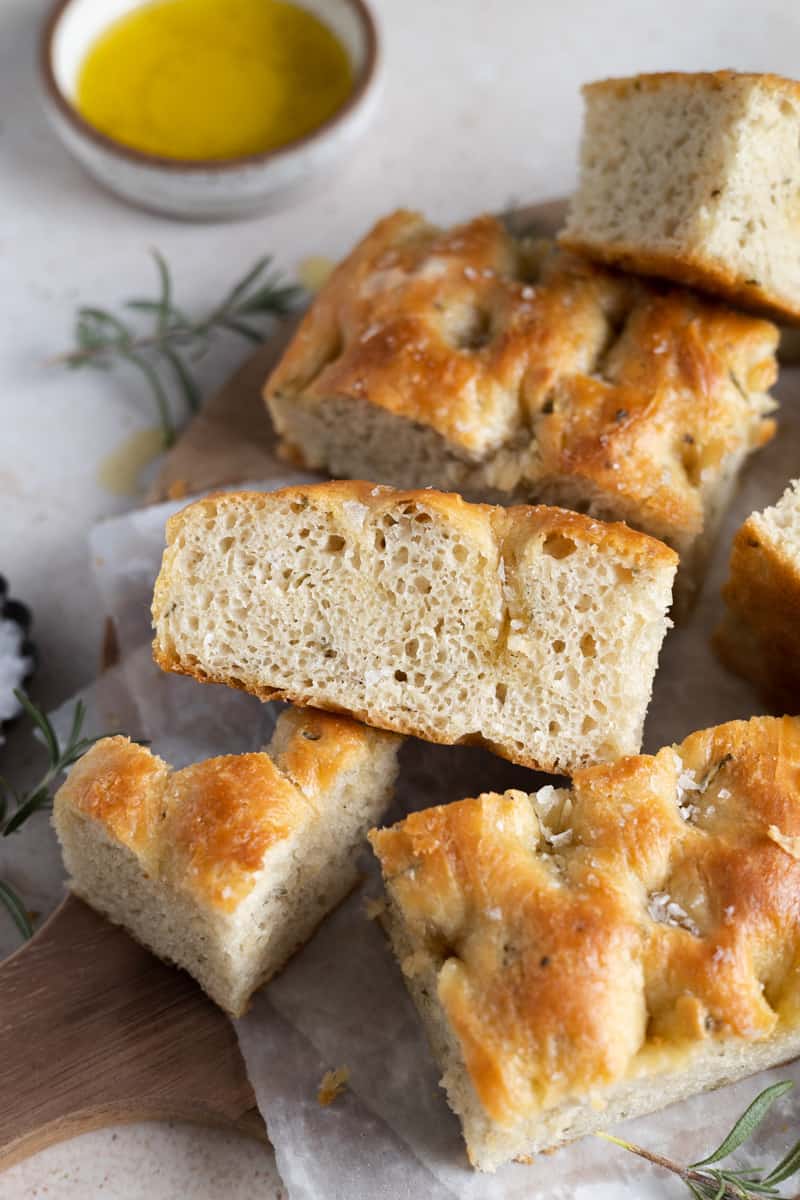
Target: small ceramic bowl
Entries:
(209, 189)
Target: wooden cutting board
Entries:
(94, 1030)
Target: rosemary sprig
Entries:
(706, 1181)
(104, 339)
(17, 807)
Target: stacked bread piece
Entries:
(588, 951)
(694, 178)
(511, 371)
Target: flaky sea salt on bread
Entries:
(695, 177)
(473, 361)
(534, 631)
(227, 866)
(586, 954)
(759, 636)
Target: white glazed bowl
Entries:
(204, 190)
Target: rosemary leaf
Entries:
(271, 298)
(41, 721)
(97, 318)
(24, 810)
(788, 1166)
(238, 290)
(165, 299)
(183, 376)
(749, 1121)
(159, 394)
(14, 905)
(152, 307)
(78, 717)
(735, 1183)
(104, 340)
(59, 758)
(243, 329)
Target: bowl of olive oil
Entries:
(209, 109)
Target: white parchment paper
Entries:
(341, 1002)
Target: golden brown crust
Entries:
(121, 785)
(207, 828)
(651, 909)
(692, 269)
(313, 748)
(479, 521)
(223, 817)
(538, 365)
(759, 636)
(711, 80)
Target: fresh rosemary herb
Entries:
(706, 1181)
(104, 339)
(16, 808)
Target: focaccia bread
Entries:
(510, 372)
(759, 636)
(227, 866)
(532, 630)
(695, 178)
(582, 955)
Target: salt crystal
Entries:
(355, 512)
(556, 840)
(666, 911)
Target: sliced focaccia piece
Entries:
(759, 636)
(586, 954)
(695, 177)
(474, 361)
(227, 866)
(535, 631)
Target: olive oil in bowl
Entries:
(211, 80)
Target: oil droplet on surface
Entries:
(314, 271)
(119, 471)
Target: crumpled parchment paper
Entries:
(341, 1001)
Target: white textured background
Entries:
(480, 109)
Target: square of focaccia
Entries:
(473, 361)
(228, 866)
(586, 954)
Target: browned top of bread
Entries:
(582, 936)
(693, 269)
(121, 785)
(488, 523)
(710, 80)
(495, 343)
(207, 828)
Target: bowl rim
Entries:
(214, 165)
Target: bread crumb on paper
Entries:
(332, 1084)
